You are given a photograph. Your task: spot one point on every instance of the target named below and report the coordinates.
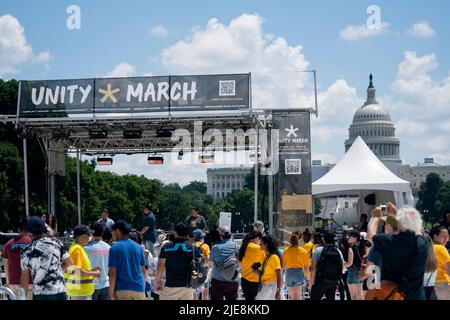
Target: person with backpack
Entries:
(344, 292)
(295, 259)
(178, 258)
(250, 253)
(269, 272)
(225, 263)
(327, 267)
(355, 257)
(199, 242)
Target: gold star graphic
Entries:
(108, 93)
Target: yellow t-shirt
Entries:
(442, 258)
(253, 254)
(295, 257)
(310, 248)
(205, 248)
(272, 265)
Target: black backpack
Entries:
(329, 266)
(197, 269)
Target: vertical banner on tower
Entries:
(293, 198)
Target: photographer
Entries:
(251, 257)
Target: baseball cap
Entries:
(391, 220)
(224, 231)
(82, 229)
(198, 234)
(36, 225)
(122, 226)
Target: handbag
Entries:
(390, 290)
(266, 259)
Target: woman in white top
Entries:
(429, 278)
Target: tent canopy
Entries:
(361, 172)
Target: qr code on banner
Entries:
(227, 88)
(293, 166)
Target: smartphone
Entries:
(383, 210)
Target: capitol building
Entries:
(373, 123)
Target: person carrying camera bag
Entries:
(270, 275)
(251, 257)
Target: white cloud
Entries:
(121, 70)
(14, 47)
(353, 33)
(159, 31)
(408, 127)
(414, 91)
(242, 46)
(421, 29)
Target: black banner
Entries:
(293, 181)
(139, 95)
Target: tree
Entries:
(443, 202)
(428, 197)
(318, 206)
(240, 204)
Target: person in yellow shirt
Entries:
(250, 254)
(270, 275)
(295, 259)
(308, 245)
(80, 277)
(199, 242)
(442, 285)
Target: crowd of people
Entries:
(388, 257)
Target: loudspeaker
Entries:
(370, 199)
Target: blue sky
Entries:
(411, 69)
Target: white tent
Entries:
(361, 173)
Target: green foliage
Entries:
(318, 206)
(428, 202)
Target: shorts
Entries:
(352, 275)
(295, 277)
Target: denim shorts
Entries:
(295, 277)
(352, 275)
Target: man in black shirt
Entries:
(175, 258)
(195, 221)
(401, 255)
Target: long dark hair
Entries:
(248, 237)
(53, 223)
(272, 246)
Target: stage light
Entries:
(98, 134)
(164, 133)
(180, 155)
(206, 158)
(155, 159)
(104, 161)
(61, 134)
(253, 156)
(26, 134)
(132, 134)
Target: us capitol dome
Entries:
(373, 123)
